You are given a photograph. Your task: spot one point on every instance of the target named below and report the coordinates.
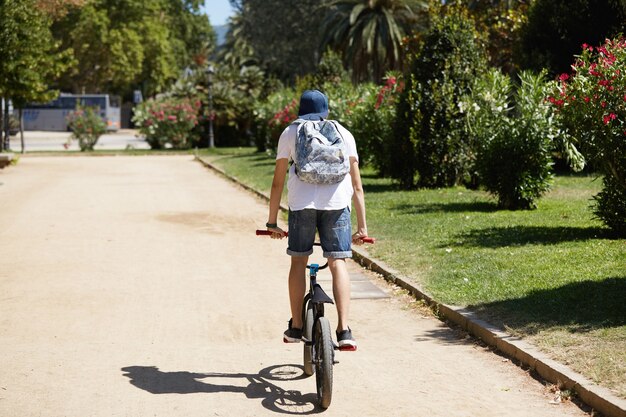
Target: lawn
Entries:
(554, 275)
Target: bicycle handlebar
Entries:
(268, 233)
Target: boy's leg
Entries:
(297, 288)
(336, 238)
(301, 238)
(341, 290)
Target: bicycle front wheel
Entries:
(308, 336)
(324, 356)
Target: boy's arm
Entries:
(278, 183)
(358, 201)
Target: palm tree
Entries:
(369, 33)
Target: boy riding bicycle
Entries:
(321, 207)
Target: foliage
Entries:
(369, 34)
(556, 29)
(29, 57)
(330, 70)
(122, 45)
(57, 8)
(87, 126)
(430, 138)
(502, 22)
(371, 119)
(514, 136)
(236, 94)
(167, 122)
(263, 25)
(592, 105)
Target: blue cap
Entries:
(313, 105)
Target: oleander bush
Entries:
(591, 103)
(87, 126)
(371, 119)
(168, 122)
(514, 133)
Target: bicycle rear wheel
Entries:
(324, 356)
(308, 336)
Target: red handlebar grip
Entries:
(266, 233)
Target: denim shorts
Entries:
(333, 226)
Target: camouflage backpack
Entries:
(321, 152)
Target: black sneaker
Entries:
(292, 335)
(346, 341)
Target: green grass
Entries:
(554, 275)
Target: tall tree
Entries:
(29, 57)
(122, 45)
(285, 39)
(501, 21)
(369, 34)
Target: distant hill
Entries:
(221, 32)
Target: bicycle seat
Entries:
(319, 296)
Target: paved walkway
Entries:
(134, 286)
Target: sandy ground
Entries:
(134, 286)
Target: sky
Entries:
(218, 11)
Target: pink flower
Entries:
(563, 77)
(603, 104)
(171, 118)
(606, 120)
(587, 99)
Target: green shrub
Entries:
(168, 121)
(87, 126)
(430, 138)
(591, 103)
(514, 140)
(371, 119)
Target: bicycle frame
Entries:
(319, 348)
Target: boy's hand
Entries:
(357, 238)
(277, 232)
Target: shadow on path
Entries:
(274, 398)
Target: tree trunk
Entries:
(20, 112)
(2, 104)
(6, 125)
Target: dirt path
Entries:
(133, 286)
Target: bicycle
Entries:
(319, 348)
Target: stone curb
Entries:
(599, 398)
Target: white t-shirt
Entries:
(302, 195)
